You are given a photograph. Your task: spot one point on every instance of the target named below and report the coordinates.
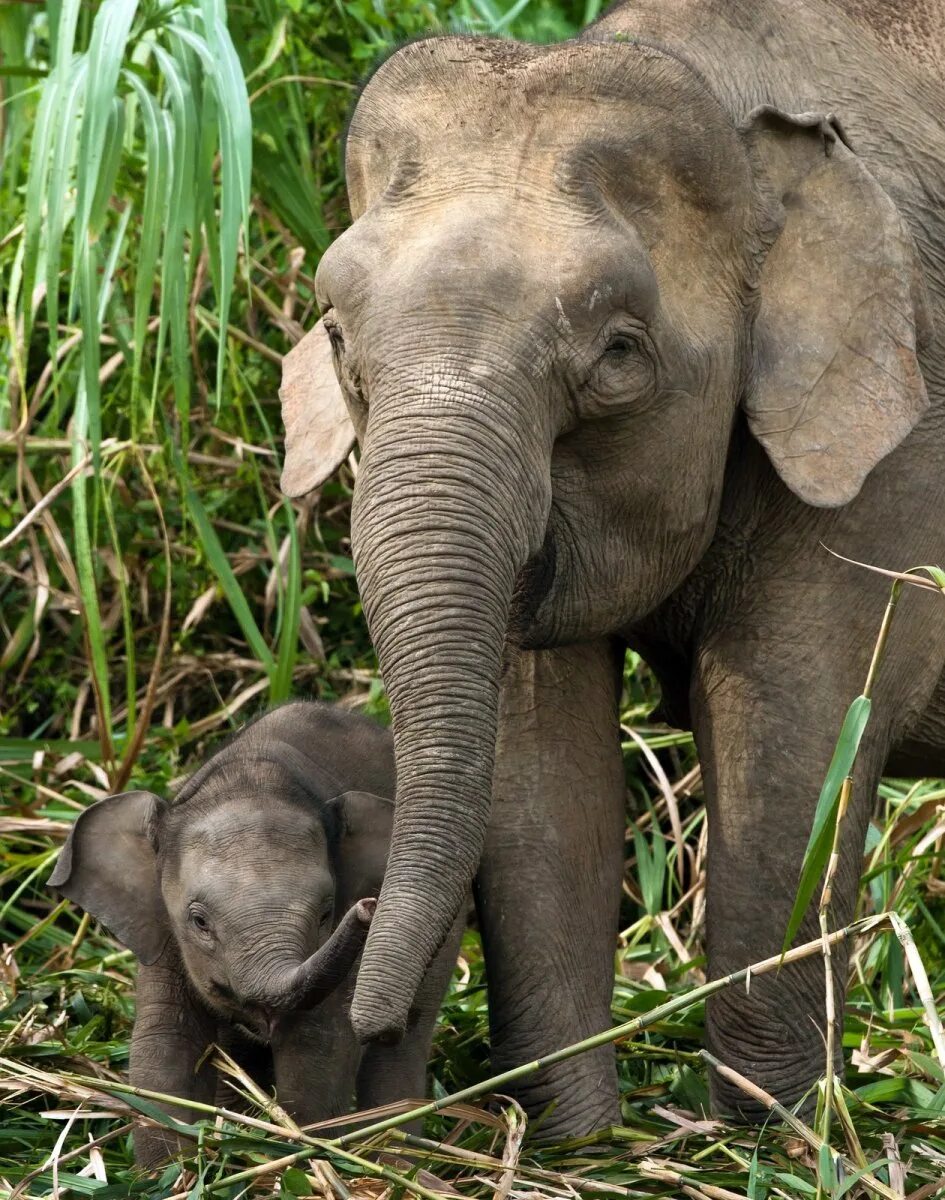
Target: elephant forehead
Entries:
(461, 112)
(244, 825)
(256, 883)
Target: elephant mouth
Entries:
(258, 1025)
(534, 582)
(259, 1036)
(247, 1021)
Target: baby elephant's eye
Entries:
(198, 918)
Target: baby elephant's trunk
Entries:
(309, 983)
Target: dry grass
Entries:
(68, 989)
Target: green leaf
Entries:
(826, 1170)
(183, 133)
(63, 166)
(651, 867)
(153, 221)
(280, 687)
(752, 1188)
(84, 558)
(151, 1109)
(850, 1181)
(217, 559)
(295, 1182)
(825, 815)
(226, 77)
(109, 34)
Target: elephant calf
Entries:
(246, 901)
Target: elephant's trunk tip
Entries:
(365, 909)
(382, 1027)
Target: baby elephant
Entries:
(246, 900)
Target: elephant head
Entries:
(568, 277)
(267, 896)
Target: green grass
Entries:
(169, 176)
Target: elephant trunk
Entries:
(307, 984)
(451, 499)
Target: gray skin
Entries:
(246, 901)
(626, 330)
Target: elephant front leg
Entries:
(172, 1032)
(765, 741)
(549, 885)
(315, 1059)
(398, 1071)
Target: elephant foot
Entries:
(784, 1057)
(155, 1147)
(571, 1099)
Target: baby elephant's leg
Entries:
(315, 1057)
(171, 1034)
(399, 1071)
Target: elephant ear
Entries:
(837, 383)
(109, 866)
(367, 822)
(318, 431)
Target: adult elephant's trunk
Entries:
(452, 497)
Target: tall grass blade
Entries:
(153, 220)
(60, 176)
(216, 556)
(226, 77)
(287, 652)
(84, 560)
(825, 815)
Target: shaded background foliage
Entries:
(169, 176)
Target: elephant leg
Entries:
(765, 735)
(549, 883)
(921, 749)
(171, 1034)
(315, 1058)
(399, 1071)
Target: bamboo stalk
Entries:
(677, 1004)
(337, 1145)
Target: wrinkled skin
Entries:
(245, 901)
(626, 330)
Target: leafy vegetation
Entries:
(169, 175)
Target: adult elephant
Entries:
(627, 327)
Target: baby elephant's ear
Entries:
(109, 866)
(837, 383)
(366, 825)
(318, 431)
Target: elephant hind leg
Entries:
(921, 750)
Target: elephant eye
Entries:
(620, 345)
(198, 918)
(622, 376)
(335, 336)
